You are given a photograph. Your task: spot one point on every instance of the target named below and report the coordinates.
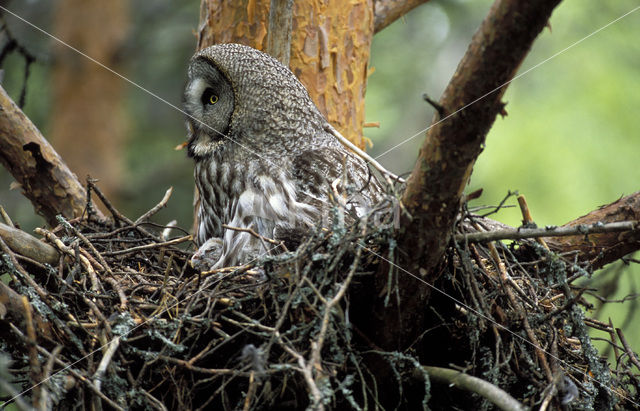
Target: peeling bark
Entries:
(330, 45)
(45, 179)
(605, 248)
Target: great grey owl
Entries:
(265, 158)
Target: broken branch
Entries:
(27, 245)
(45, 179)
(606, 246)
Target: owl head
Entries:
(237, 96)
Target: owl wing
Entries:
(268, 203)
(333, 170)
(287, 201)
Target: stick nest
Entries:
(123, 319)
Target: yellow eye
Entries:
(209, 97)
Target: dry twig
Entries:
(552, 231)
(497, 396)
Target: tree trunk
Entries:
(330, 45)
(88, 120)
(468, 108)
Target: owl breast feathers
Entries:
(265, 158)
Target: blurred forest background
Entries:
(570, 142)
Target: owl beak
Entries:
(190, 131)
(191, 137)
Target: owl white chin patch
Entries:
(202, 145)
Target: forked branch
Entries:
(471, 102)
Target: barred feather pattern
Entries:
(276, 166)
(244, 196)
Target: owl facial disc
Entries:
(209, 102)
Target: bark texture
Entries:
(279, 35)
(602, 249)
(470, 105)
(330, 45)
(28, 246)
(12, 309)
(45, 179)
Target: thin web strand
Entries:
(502, 327)
(382, 154)
(505, 84)
(152, 94)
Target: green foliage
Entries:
(570, 140)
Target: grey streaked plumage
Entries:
(264, 158)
